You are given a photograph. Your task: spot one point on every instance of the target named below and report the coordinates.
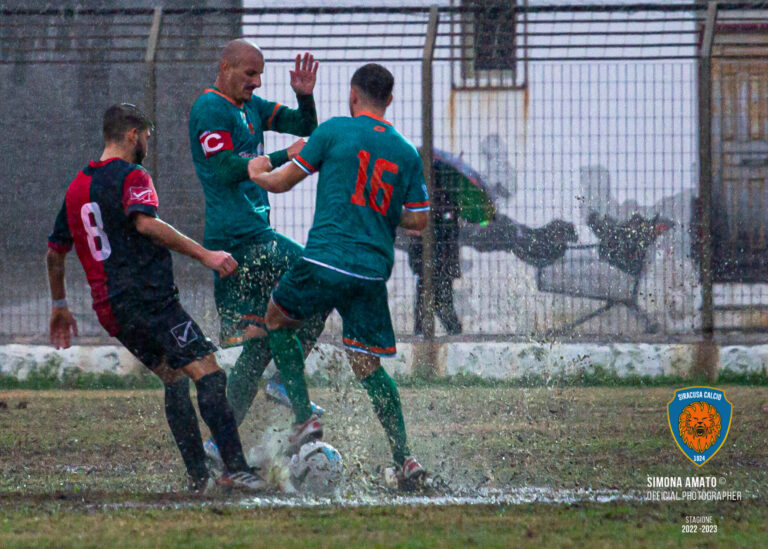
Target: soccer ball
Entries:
(316, 468)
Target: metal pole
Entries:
(706, 357)
(150, 93)
(426, 364)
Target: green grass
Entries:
(534, 525)
(67, 456)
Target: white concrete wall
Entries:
(488, 360)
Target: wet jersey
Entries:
(368, 173)
(121, 264)
(238, 211)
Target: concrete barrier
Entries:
(496, 360)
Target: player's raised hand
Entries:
(258, 166)
(61, 324)
(304, 75)
(295, 148)
(220, 261)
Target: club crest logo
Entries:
(699, 418)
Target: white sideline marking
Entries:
(513, 496)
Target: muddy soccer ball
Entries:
(316, 468)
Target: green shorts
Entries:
(362, 303)
(241, 298)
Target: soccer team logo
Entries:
(699, 418)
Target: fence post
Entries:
(150, 91)
(425, 358)
(706, 357)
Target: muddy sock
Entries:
(386, 403)
(182, 420)
(217, 414)
(289, 359)
(243, 379)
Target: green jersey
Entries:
(368, 173)
(223, 137)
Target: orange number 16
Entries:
(379, 167)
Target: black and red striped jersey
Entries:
(121, 264)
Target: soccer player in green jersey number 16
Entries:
(371, 180)
(226, 133)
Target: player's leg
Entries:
(289, 359)
(444, 306)
(418, 308)
(184, 426)
(302, 293)
(140, 338)
(243, 378)
(211, 382)
(385, 397)
(294, 299)
(368, 335)
(286, 254)
(187, 350)
(241, 301)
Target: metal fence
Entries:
(584, 123)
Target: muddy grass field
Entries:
(520, 466)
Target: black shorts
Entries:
(162, 334)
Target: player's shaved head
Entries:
(237, 50)
(240, 70)
(375, 83)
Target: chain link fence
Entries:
(581, 122)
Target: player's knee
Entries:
(251, 331)
(168, 375)
(363, 364)
(275, 319)
(201, 368)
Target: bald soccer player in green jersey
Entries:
(226, 132)
(371, 181)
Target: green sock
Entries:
(289, 359)
(386, 403)
(243, 379)
(310, 330)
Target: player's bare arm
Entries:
(259, 165)
(62, 324)
(294, 150)
(165, 235)
(415, 221)
(304, 75)
(282, 180)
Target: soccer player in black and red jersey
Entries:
(110, 216)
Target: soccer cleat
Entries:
(312, 429)
(410, 477)
(200, 485)
(212, 454)
(275, 391)
(412, 470)
(249, 481)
